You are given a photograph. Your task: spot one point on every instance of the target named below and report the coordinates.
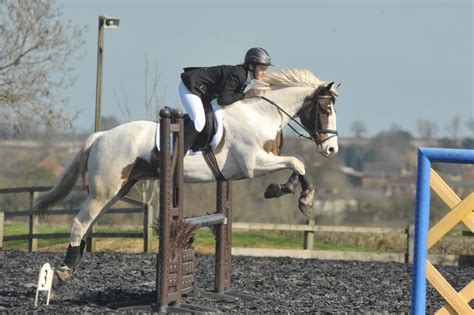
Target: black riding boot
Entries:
(190, 135)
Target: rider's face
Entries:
(260, 71)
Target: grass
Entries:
(204, 240)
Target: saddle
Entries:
(203, 140)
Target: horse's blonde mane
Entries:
(287, 77)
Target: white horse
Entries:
(116, 159)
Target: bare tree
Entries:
(108, 122)
(359, 128)
(427, 129)
(454, 127)
(470, 125)
(151, 101)
(37, 49)
(151, 97)
(147, 188)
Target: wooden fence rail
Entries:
(33, 221)
(147, 210)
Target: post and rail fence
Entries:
(33, 220)
(308, 231)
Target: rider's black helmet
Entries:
(257, 56)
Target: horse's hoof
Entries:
(305, 210)
(273, 191)
(305, 202)
(61, 275)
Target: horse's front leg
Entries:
(278, 190)
(305, 202)
(264, 163)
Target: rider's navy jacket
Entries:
(227, 83)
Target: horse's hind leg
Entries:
(95, 204)
(81, 224)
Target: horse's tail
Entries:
(68, 179)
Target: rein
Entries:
(315, 137)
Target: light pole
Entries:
(104, 22)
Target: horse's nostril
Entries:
(331, 150)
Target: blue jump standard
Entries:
(426, 156)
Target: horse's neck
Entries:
(289, 99)
(264, 119)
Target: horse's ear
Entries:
(329, 86)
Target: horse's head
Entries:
(318, 115)
(314, 104)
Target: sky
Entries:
(397, 61)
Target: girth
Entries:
(203, 141)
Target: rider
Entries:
(226, 83)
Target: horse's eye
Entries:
(326, 111)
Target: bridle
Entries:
(318, 125)
(318, 130)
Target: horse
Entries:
(116, 159)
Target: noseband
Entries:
(318, 130)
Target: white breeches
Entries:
(217, 109)
(218, 113)
(193, 106)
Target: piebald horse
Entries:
(116, 159)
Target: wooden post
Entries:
(2, 220)
(410, 232)
(32, 226)
(223, 265)
(309, 236)
(166, 197)
(147, 228)
(90, 245)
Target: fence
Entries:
(310, 229)
(307, 229)
(33, 221)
